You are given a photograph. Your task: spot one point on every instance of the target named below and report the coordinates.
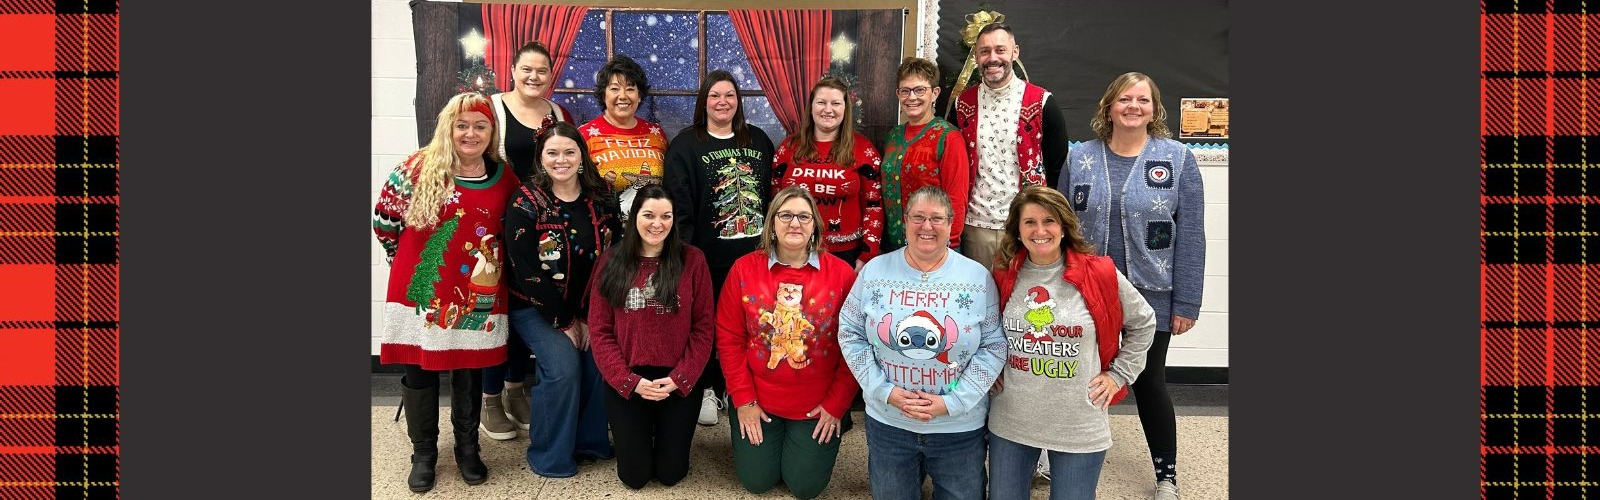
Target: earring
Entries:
(580, 169)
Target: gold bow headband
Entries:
(975, 23)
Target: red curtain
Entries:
(508, 26)
(788, 49)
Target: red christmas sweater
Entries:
(446, 304)
(850, 199)
(931, 154)
(641, 332)
(777, 335)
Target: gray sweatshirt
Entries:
(1052, 357)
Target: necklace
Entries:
(478, 170)
(929, 269)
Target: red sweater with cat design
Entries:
(777, 336)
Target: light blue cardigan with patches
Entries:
(1162, 219)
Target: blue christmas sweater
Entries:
(940, 335)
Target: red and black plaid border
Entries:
(59, 233)
(1540, 321)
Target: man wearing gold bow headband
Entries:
(1015, 135)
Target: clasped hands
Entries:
(917, 405)
(655, 390)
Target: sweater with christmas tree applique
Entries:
(445, 307)
(720, 191)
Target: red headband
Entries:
(481, 106)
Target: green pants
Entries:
(787, 453)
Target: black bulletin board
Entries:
(1075, 47)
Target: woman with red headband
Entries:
(438, 218)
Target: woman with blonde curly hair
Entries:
(438, 219)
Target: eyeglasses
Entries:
(788, 217)
(939, 220)
(919, 91)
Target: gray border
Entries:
(245, 316)
(1354, 353)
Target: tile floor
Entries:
(1202, 449)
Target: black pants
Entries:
(1150, 394)
(652, 438)
(711, 377)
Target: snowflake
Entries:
(965, 301)
(1159, 205)
(877, 296)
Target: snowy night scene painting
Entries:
(675, 48)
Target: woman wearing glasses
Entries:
(776, 337)
(923, 151)
(920, 330)
(840, 168)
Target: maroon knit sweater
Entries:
(623, 338)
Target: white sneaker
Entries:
(1166, 490)
(710, 405)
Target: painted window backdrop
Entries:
(775, 54)
(667, 44)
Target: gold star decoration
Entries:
(840, 49)
(473, 44)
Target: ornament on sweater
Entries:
(785, 328)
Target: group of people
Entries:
(985, 291)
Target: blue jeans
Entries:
(515, 369)
(1073, 476)
(570, 420)
(898, 460)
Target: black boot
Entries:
(466, 387)
(422, 425)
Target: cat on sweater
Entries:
(789, 328)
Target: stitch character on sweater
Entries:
(920, 337)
